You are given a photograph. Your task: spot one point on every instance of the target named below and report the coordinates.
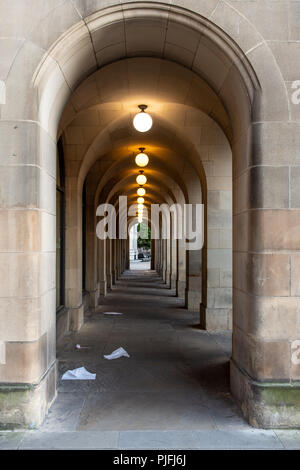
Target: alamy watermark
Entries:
(177, 222)
(296, 92)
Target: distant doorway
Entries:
(140, 247)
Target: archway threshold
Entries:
(173, 391)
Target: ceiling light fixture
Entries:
(141, 192)
(142, 121)
(141, 179)
(142, 158)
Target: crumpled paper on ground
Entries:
(78, 374)
(120, 352)
(112, 313)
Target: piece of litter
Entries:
(78, 374)
(112, 313)
(117, 353)
(82, 347)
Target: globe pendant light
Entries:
(141, 200)
(141, 179)
(142, 158)
(141, 192)
(142, 121)
(140, 219)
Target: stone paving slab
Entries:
(69, 440)
(209, 439)
(251, 439)
(10, 440)
(290, 438)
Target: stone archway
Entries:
(236, 69)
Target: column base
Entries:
(76, 318)
(266, 404)
(192, 300)
(180, 289)
(24, 406)
(173, 282)
(93, 298)
(215, 318)
(102, 288)
(108, 280)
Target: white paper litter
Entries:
(112, 313)
(117, 353)
(78, 374)
(78, 346)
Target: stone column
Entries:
(73, 282)
(157, 255)
(168, 262)
(109, 263)
(91, 254)
(173, 247)
(153, 255)
(265, 370)
(193, 291)
(181, 269)
(127, 253)
(102, 267)
(113, 260)
(27, 272)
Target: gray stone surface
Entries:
(69, 440)
(289, 438)
(10, 440)
(172, 393)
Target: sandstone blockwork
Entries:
(221, 82)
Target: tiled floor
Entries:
(173, 391)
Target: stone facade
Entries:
(219, 78)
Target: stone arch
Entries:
(51, 72)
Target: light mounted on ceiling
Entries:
(141, 200)
(141, 178)
(141, 192)
(142, 158)
(142, 121)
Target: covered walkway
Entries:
(173, 391)
(175, 379)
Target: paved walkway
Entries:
(173, 391)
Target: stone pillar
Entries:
(102, 267)
(193, 291)
(109, 263)
(173, 246)
(153, 255)
(265, 370)
(216, 306)
(164, 259)
(27, 272)
(168, 262)
(127, 254)
(118, 258)
(73, 282)
(158, 255)
(113, 260)
(91, 276)
(181, 269)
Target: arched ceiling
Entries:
(101, 142)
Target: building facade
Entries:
(221, 81)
